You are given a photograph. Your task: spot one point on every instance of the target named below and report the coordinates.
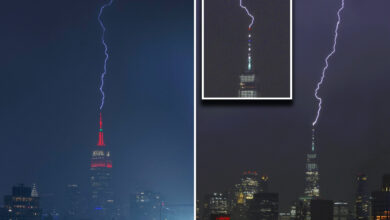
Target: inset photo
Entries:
(247, 50)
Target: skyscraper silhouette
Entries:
(312, 179)
(362, 197)
(101, 189)
(247, 79)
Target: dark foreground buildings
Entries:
(380, 200)
(23, 204)
(321, 209)
(362, 198)
(264, 206)
(147, 205)
(250, 199)
(246, 200)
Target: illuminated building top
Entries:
(101, 138)
(248, 78)
(312, 179)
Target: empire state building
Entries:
(101, 189)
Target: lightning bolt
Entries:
(248, 13)
(327, 63)
(105, 50)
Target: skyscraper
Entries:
(101, 194)
(249, 184)
(362, 197)
(243, 193)
(218, 204)
(75, 206)
(263, 185)
(386, 183)
(147, 205)
(300, 210)
(264, 206)
(312, 186)
(312, 179)
(380, 201)
(247, 79)
(341, 211)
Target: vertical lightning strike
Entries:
(105, 50)
(327, 63)
(249, 14)
(249, 35)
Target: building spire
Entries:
(312, 140)
(34, 191)
(101, 139)
(249, 49)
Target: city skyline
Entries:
(274, 138)
(244, 60)
(52, 62)
(254, 159)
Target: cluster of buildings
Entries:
(96, 203)
(22, 204)
(251, 200)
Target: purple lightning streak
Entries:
(105, 50)
(327, 63)
(249, 14)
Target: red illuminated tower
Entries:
(101, 166)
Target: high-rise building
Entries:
(362, 197)
(300, 210)
(218, 204)
(312, 183)
(34, 191)
(380, 201)
(264, 206)
(247, 79)
(241, 195)
(75, 206)
(380, 205)
(249, 184)
(147, 205)
(263, 184)
(386, 183)
(312, 179)
(101, 194)
(341, 211)
(23, 204)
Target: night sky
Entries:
(274, 137)
(51, 63)
(226, 49)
